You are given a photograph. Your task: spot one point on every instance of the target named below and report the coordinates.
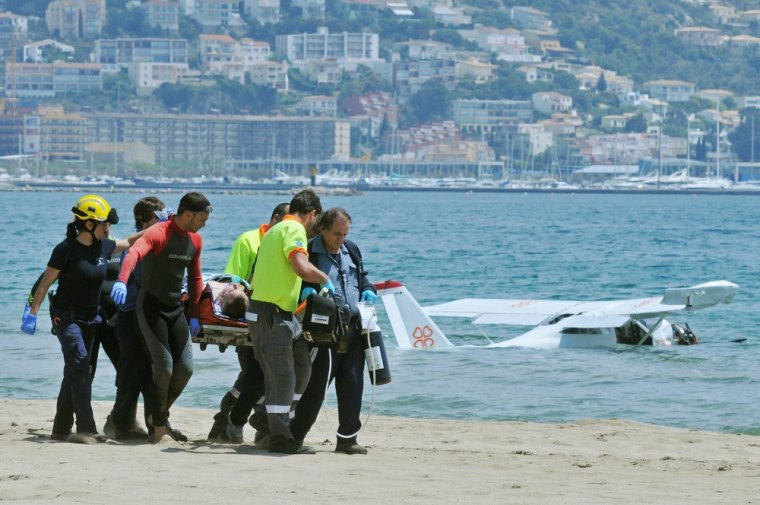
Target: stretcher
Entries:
(217, 328)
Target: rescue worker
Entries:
(133, 368)
(275, 332)
(341, 260)
(249, 384)
(166, 250)
(78, 263)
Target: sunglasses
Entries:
(164, 214)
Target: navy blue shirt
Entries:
(83, 269)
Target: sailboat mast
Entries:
(717, 141)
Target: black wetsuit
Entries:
(165, 251)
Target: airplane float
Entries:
(558, 323)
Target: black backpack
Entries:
(323, 321)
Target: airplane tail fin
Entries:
(412, 328)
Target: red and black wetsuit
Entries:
(165, 251)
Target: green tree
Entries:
(636, 124)
(175, 96)
(430, 103)
(742, 137)
(601, 84)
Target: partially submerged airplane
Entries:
(558, 323)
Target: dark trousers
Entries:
(250, 384)
(75, 335)
(133, 375)
(348, 372)
(105, 337)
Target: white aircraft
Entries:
(558, 323)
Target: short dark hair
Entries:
(194, 202)
(328, 217)
(236, 306)
(280, 211)
(144, 210)
(304, 202)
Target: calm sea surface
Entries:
(447, 246)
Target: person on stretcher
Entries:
(233, 300)
(229, 295)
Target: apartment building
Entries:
(410, 76)
(213, 139)
(163, 14)
(147, 76)
(310, 9)
(270, 73)
(477, 117)
(669, 90)
(264, 11)
(13, 32)
(319, 105)
(47, 80)
(217, 13)
(33, 53)
(479, 71)
(549, 102)
(115, 54)
(530, 18)
(216, 48)
(451, 16)
(73, 19)
(348, 49)
(700, 36)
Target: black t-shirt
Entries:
(83, 269)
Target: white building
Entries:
(33, 52)
(263, 11)
(549, 102)
(147, 76)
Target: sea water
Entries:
(444, 246)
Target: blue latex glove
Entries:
(368, 296)
(28, 321)
(119, 293)
(306, 292)
(195, 326)
(329, 286)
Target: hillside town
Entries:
(378, 131)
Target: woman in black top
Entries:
(78, 263)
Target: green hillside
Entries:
(636, 39)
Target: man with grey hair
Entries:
(341, 260)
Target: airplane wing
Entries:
(601, 314)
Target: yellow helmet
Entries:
(96, 208)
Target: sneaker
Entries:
(291, 447)
(348, 447)
(59, 437)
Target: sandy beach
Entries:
(409, 461)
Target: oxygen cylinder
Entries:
(377, 361)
